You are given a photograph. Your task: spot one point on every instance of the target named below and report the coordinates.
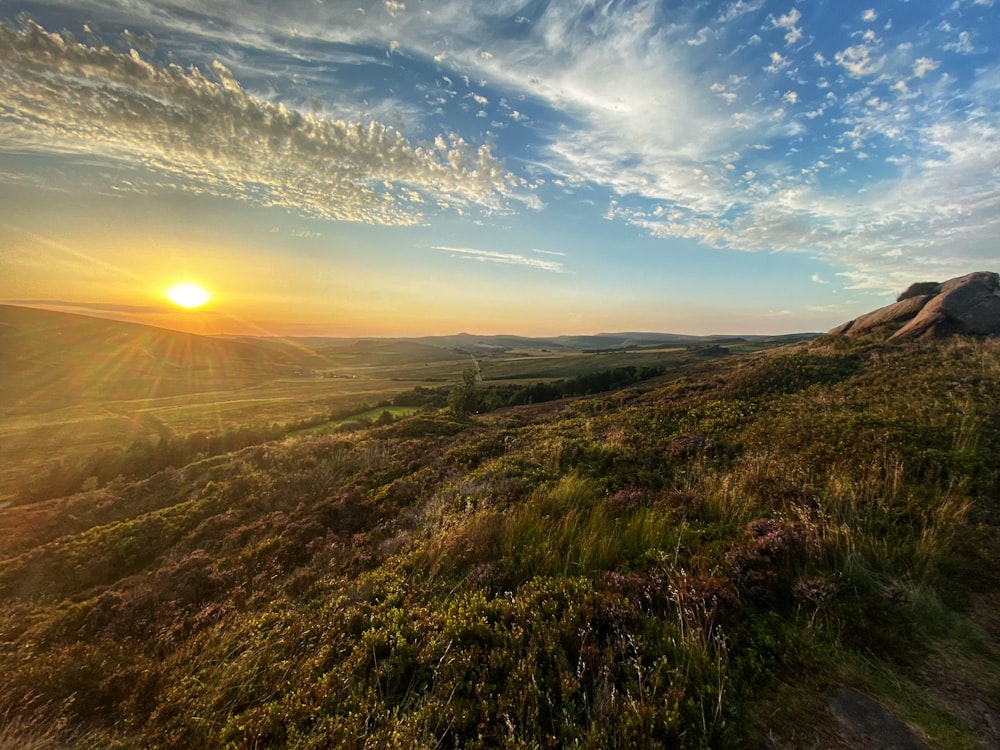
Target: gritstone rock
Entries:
(967, 304)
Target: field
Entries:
(77, 384)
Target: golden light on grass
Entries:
(188, 295)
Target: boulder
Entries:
(896, 313)
(967, 304)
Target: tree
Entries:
(463, 398)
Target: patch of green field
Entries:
(549, 365)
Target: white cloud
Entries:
(142, 42)
(869, 15)
(700, 38)
(63, 96)
(860, 60)
(963, 45)
(636, 115)
(817, 279)
(923, 66)
(506, 259)
(734, 10)
(778, 62)
(788, 23)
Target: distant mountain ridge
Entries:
(967, 304)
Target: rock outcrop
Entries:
(967, 304)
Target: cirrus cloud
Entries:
(65, 97)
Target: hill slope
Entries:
(55, 358)
(694, 563)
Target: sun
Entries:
(188, 295)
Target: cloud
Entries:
(734, 10)
(63, 96)
(620, 103)
(506, 259)
(142, 42)
(869, 15)
(788, 22)
(923, 66)
(963, 45)
(817, 279)
(860, 60)
(700, 38)
(778, 62)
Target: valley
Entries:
(712, 556)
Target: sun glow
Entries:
(188, 295)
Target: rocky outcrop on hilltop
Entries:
(967, 304)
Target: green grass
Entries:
(552, 365)
(370, 415)
(691, 563)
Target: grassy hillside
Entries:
(124, 360)
(75, 386)
(695, 562)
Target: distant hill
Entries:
(476, 343)
(52, 358)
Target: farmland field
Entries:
(101, 384)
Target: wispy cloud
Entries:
(506, 259)
(63, 96)
(616, 100)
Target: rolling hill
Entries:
(54, 358)
(723, 557)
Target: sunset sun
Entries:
(188, 295)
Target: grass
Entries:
(370, 415)
(691, 563)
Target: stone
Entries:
(920, 289)
(898, 312)
(967, 304)
(870, 722)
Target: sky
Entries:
(530, 167)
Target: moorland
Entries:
(631, 540)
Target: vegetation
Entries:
(77, 385)
(693, 561)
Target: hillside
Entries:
(106, 359)
(704, 560)
(86, 397)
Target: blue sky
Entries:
(401, 167)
